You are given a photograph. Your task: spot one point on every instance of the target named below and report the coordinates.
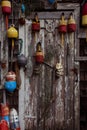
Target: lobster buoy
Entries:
(62, 25)
(71, 24)
(5, 112)
(36, 23)
(14, 119)
(84, 14)
(10, 83)
(6, 9)
(22, 17)
(4, 125)
(39, 54)
(62, 28)
(51, 1)
(12, 32)
(11, 76)
(23, 8)
(21, 60)
(22, 20)
(58, 69)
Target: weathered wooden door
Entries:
(47, 101)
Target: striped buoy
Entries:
(84, 17)
(39, 54)
(14, 119)
(62, 28)
(6, 9)
(62, 25)
(84, 14)
(5, 112)
(10, 83)
(36, 23)
(71, 24)
(11, 76)
(4, 125)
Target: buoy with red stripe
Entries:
(10, 83)
(36, 23)
(5, 112)
(71, 24)
(84, 14)
(4, 125)
(39, 54)
(84, 17)
(62, 28)
(6, 9)
(11, 76)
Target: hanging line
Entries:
(12, 11)
(83, 2)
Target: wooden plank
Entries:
(82, 58)
(21, 90)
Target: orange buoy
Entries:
(6, 9)
(71, 24)
(39, 54)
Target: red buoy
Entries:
(6, 9)
(71, 24)
(39, 54)
(62, 25)
(11, 76)
(84, 14)
(4, 125)
(36, 23)
(62, 28)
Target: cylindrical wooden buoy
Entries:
(84, 17)
(10, 83)
(14, 119)
(62, 28)
(4, 125)
(35, 23)
(71, 24)
(12, 33)
(84, 14)
(6, 9)
(39, 54)
(5, 112)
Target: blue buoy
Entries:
(10, 86)
(51, 1)
(22, 8)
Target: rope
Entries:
(83, 2)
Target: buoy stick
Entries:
(6, 20)
(62, 39)
(86, 35)
(12, 43)
(12, 52)
(4, 97)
